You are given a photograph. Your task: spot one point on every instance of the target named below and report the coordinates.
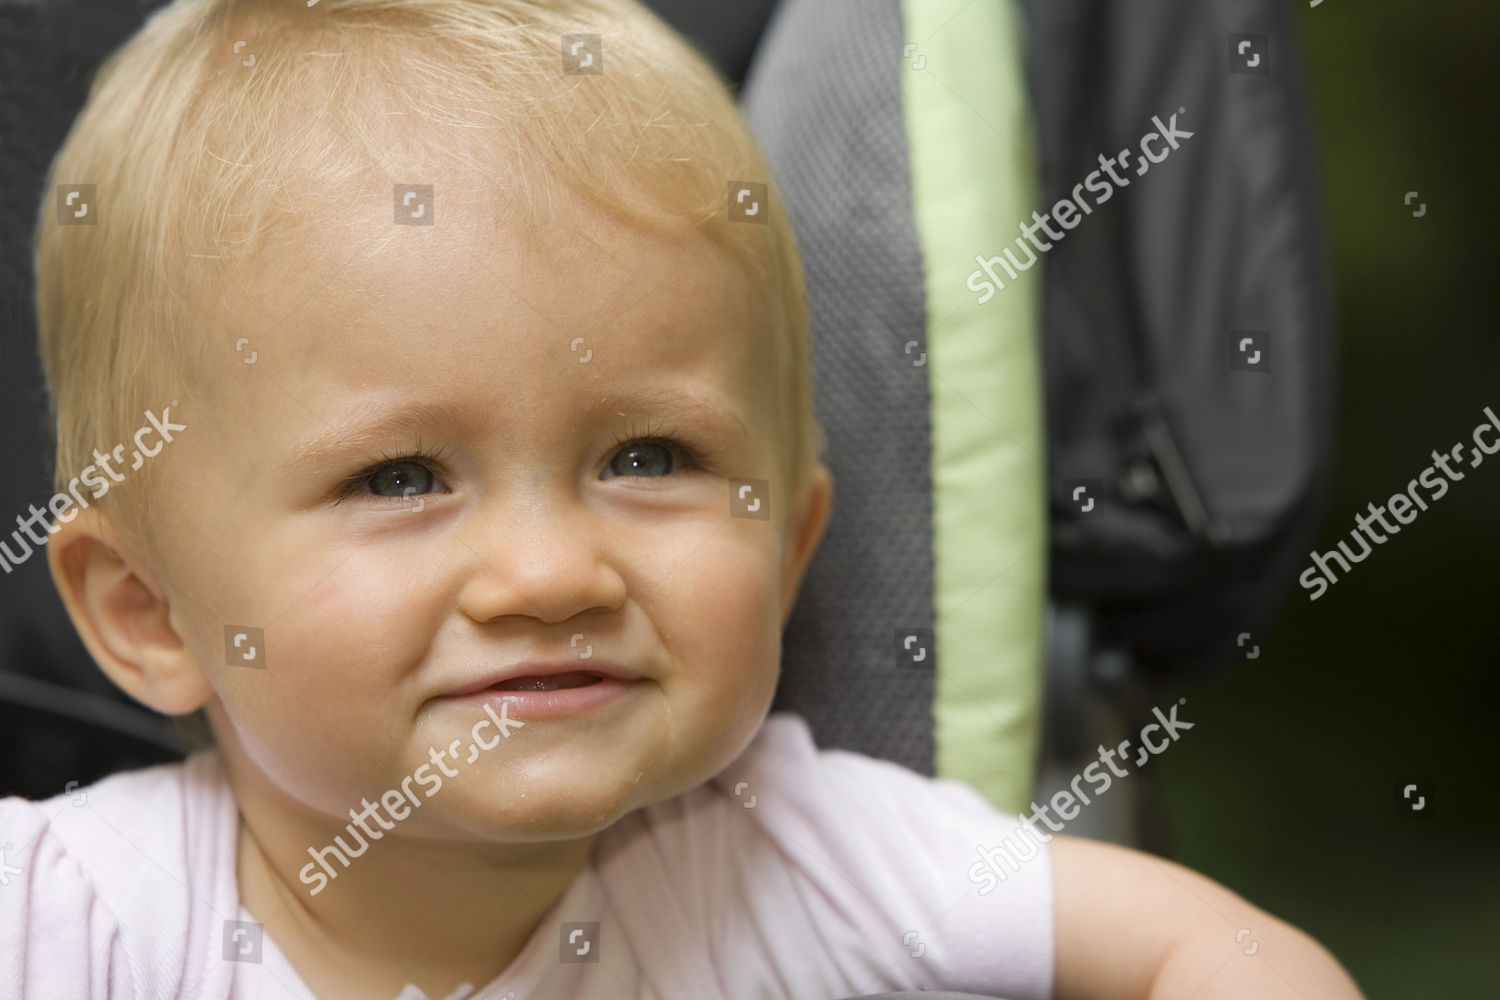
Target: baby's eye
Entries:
(401, 479)
(644, 458)
(396, 478)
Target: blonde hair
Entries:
(194, 143)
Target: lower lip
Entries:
(525, 705)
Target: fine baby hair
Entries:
(203, 134)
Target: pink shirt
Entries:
(828, 875)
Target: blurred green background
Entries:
(1290, 789)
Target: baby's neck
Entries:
(421, 914)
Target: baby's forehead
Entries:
(459, 221)
(361, 299)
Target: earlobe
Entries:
(804, 535)
(123, 616)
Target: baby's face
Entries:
(532, 531)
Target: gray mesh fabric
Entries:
(824, 99)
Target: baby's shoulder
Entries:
(796, 852)
(786, 762)
(126, 822)
(833, 814)
(106, 880)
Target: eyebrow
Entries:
(690, 404)
(371, 424)
(363, 426)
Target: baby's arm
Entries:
(1134, 927)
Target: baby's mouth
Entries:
(551, 682)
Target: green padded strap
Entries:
(974, 178)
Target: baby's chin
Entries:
(537, 814)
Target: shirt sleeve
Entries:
(881, 876)
(57, 938)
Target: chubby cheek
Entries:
(718, 616)
(319, 719)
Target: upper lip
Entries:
(537, 668)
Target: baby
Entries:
(466, 360)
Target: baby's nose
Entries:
(541, 564)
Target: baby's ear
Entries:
(123, 615)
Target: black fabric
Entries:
(824, 99)
(1142, 299)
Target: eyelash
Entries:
(433, 461)
(654, 435)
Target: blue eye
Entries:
(412, 475)
(403, 479)
(396, 477)
(647, 457)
